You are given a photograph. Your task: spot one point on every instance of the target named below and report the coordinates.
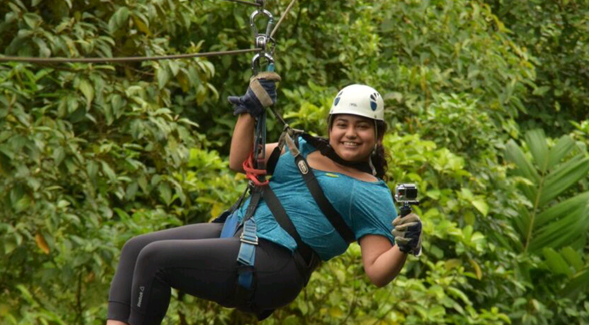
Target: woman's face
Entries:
(352, 137)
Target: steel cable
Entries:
(282, 18)
(123, 59)
(246, 3)
(58, 60)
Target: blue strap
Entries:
(230, 226)
(247, 254)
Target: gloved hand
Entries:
(407, 233)
(260, 94)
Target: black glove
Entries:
(260, 94)
(407, 233)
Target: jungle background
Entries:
(487, 103)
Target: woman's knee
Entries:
(153, 254)
(133, 246)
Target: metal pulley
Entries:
(262, 41)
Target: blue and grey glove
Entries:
(260, 94)
(407, 232)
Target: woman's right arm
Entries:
(242, 142)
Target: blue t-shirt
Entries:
(366, 207)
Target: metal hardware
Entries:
(256, 59)
(268, 26)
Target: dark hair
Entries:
(379, 158)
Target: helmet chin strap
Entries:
(326, 150)
(364, 166)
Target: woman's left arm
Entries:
(382, 261)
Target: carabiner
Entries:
(257, 57)
(253, 21)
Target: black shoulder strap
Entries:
(328, 210)
(284, 221)
(336, 220)
(273, 160)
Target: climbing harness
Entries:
(256, 173)
(306, 260)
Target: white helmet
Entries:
(359, 100)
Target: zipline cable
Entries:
(282, 18)
(123, 59)
(57, 60)
(246, 3)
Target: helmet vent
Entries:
(373, 104)
(337, 98)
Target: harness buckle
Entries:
(248, 235)
(249, 240)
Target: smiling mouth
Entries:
(350, 144)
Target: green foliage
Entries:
(94, 154)
(552, 227)
(550, 223)
(556, 34)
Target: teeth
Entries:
(350, 144)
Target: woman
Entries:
(195, 260)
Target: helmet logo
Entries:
(373, 104)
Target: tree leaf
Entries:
(481, 205)
(141, 25)
(562, 209)
(573, 258)
(562, 232)
(108, 172)
(118, 19)
(162, 77)
(165, 193)
(41, 243)
(566, 175)
(578, 283)
(555, 262)
(514, 154)
(88, 90)
(560, 150)
(537, 142)
(32, 20)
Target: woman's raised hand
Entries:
(260, 94)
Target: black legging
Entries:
(194, 260)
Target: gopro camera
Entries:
(406, 193)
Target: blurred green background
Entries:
(487, 104)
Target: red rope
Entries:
(252, 173)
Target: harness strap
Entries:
(247, 251)
(273, 160)
(306, 259)
(247, 256)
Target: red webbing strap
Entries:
(252, 173)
